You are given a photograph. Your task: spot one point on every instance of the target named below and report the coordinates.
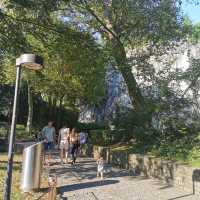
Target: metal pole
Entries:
(8, 179)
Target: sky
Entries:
(192, 11)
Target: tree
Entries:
(74, 63)
(131, 25)
(141, 26)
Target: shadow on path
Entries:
(165, 187)
(78, 186)
(88, 171)
(187, 195)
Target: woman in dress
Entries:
(64, 143)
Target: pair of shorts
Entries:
(64, 145)
(48, 146)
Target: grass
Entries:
(20, 132)
(194, 163)
(120, 147)
(16, 193)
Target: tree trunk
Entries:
(30, 109)
(50, 107)
(119, 54)
(54, 108)
(126, 71)
(9, 122)
(59, 114)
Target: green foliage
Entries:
(74, 62)
(77, 39)
(20, 132)
(90, 126)
(191, 76)
(106, 137)
(118, 25)
(194, 157)
(96, 137)
(101, 137)
(192, 31)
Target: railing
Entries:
(32, 167)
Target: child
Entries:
(100, 166)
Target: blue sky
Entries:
(192, 11)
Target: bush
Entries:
(20, 132)
(107, 137)
(96, 137)
(90, 126)
(3, 130)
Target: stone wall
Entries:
(172, 173)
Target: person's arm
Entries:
(43, 133)
(54, 135)
(59, 137)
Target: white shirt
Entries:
(63, 131)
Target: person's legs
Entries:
(61, 155)
(66, 155)
(49, 155)
(76, 152)
(61, 152)
(50, 148)
(97, 173)
(66, 147)
(101, 174)
(73, 153)
(45, 152)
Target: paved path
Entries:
(80, 183)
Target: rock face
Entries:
(117, 98)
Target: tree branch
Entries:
(33, 23)
(87, 7)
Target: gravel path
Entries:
(80, 183)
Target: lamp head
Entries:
(30, 61)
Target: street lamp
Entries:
(30, 61)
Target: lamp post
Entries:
(30, 61)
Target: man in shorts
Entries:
(49, 136)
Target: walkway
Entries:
(80, 183)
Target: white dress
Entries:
(100, 165)
(64, 143)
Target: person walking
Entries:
(100, 166)
(83, 139)
(64, 143)
(74, 143)
(49, 137)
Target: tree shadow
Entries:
(165, 187)
(88, 171)
(78, 186)
(87, 161)
(14, 162)
(179, 197)
(15, 167)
